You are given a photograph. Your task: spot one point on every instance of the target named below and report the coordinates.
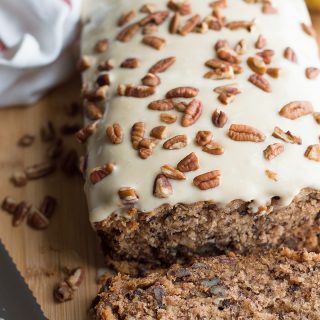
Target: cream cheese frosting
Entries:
(242, 165)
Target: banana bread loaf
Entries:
(202, 128)
(279, 285)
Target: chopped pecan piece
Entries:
(150, 29)
(266, 55)
(242, 132)
(241, 47)
(218, 4)
(159, 132)
(26, 140)
(115, 133)
(182, 7)
(176, 142)
(290, 55)
(20, 213)
(126, 17)
(62, 292)
(154, 42)
(40, 170)
(172, 173)
(225, 72)
(161, 105)
(192, 113)
(19, 178)
(213, 148)
(235, 25)
(274, 72)
(214, 23)
(222, 43)
(144, 153)
(260, 82)
(316, 116)
(135, 91)
(273, 150)
(168, 118)
(151, 80)
(174, 23)
(84, 63)
(37, 220)
(268, 8)
(313, 152)
(182, 92)
(83, 134)
(208, 180)
(128, 32)
(128, 195)
(257, 65)
(309, 30)
(148, 8)
(226, 97)
(190, 25)
(261, 42)
(147, 143)
(162, 187)
(105, 65)
(9, 205)
(312, 73)
(156, 17)
(137, 134)
(101, 46)
(130, 63)
(181, 106)
(92, 111)
(219, 118)
(286, 136)
(229, 55)
(203, 137)
(271, 175)
(96, 94)
(189, 163)
(75, 278)
(103, 79)
(162, 65)
(99, 173)
(296, 109)
(48, 206)
(231, 88)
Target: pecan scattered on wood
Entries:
(208, 180)
(189, 163)
(37, 220)
(296, 109)
(242, 132)
(47, 132)
(69, 163)
(9, 205)
(48, 206)
(19, 178)
(20, 213)
(162, 65)
(40, 170)
(26, 140)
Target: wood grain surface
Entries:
(69, 241)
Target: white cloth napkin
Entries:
(37, 41)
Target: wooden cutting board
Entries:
(69, 241)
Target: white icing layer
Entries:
(242, 165)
